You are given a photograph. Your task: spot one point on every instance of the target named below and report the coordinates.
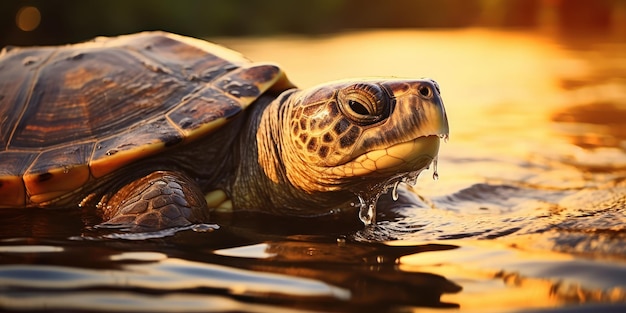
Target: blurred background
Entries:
(29, 22)
(535, 92)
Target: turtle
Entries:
(157, 130)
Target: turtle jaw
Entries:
(374, 172)
(396, 160)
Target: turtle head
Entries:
(360, 136)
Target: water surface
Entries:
(528, 213)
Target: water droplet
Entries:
(211, 74)
(29, 60)
(366, 214)
(394, 191)
(411, 178)
(445, 137)
(112, 152)
(230, 67)
(367, 209)
(156, 68)
(186, 122)
(71, 151)
(76, 56)
(186, 97)
(98, 147)
(204, 228)
(435, 174)
(233, 87)
(361, 202)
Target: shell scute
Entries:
(191, 58)
(100, 94)
(249, 82)
(141, 141)
(13, 166)
(203, 108)
(15, 89)
(58, 171)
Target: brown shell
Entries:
(74, 113)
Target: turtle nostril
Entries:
(425, 91)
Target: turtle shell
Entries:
(75, 113)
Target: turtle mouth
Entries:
(396, 160)
(399, 163)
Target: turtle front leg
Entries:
(159, 200)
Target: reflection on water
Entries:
(530, 203)
(594, 125)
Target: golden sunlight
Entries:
(28, 18)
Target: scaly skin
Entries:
(159, 200)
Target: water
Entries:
(528, 213)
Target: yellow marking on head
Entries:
(399, 157)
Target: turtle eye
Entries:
(358, 107)
(363, 103)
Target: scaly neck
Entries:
(261, 181)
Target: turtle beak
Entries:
(442, 117)
(418, 109)
(431, 111)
